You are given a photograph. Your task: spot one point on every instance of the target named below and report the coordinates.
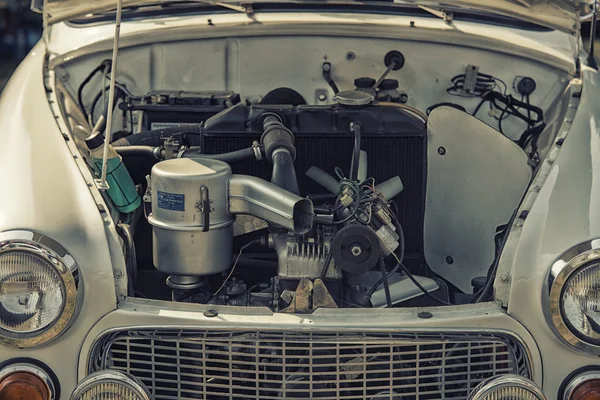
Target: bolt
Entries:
(425, 315)
(326, 67)
(403, 98)
(211, 313)
(63, 75)
(536, 188)
(350, 56)
(503, 278)
(356, 250)
(441, 151)
(322, 97)
(118, 274)
(450, 260)
(519, 223)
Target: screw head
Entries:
(350, 56)
(449, 260)
(322, 97)
(441, 150)
(504, 278)
(211, 313)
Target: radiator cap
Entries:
(353, 98)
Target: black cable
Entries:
(425, 291)
(327, 263)
(380, 281)
(356, 154)
(386, 284)
(84, 84)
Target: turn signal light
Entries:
(585, 386)
(23, 385)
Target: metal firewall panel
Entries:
(476, 178)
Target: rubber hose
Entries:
(406, 107)
(155, 137)
(229, 158)
(284, 172)
(141, 151)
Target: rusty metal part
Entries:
(309, 296)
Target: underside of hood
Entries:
(558, 14)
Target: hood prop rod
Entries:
(102, 184)
(591, 58)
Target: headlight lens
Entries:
(580, 302)
(38, 293)
(33, 293)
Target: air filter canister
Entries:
(192, 224)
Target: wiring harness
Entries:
(494, 92)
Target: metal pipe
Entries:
(254, 196)
(362, 166)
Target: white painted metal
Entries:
(558, 14)
(50, 190)
(44, 190)
(476, 178)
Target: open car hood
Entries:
(563, 15)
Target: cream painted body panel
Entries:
(43, 189)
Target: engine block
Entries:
(305, 257)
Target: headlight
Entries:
(513, 387)
(574, 297)
(38, 292)
(110, 384)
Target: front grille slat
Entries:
(207, 364)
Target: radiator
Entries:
(389, 155)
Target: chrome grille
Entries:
(207, 364)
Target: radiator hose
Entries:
(278, 142)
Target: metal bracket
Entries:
(205, 208)
(471, 77)
(101, 185)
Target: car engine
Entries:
(328, 198)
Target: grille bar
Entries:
(207, 364)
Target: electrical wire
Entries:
(414, 280)
(244, 247)
(386, 284)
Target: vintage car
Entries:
(302, 199)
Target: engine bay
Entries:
(352, 200)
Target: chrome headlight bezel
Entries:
(64, 265)
(496, 383)
(568, 264)
(111, 376)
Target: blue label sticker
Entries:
(171, 201)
